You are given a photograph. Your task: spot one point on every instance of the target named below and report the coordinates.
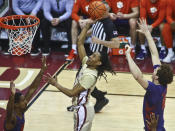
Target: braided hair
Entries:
(105, 66)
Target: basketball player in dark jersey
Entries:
(17, 103)
(154, 99)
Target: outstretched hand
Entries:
(143, 27)
(44, 64)
(50, 79)
(12, 87)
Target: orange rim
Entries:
(3, 19)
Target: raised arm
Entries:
(34, 86)
(152, 47)
(80, 43)
(137, 74)
(10, 108)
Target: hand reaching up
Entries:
(143, 27)
(12, 87)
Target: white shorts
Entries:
(83, 117)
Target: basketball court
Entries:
(47, 109)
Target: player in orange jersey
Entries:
(168, 30)
(154, 12)
(125, 11)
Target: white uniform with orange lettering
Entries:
(84, 110)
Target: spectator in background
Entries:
(154, 12)
(30, 7)
(168, 30)
(57, 14)
(125, 12)
(80, 18)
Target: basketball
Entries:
(96, 10)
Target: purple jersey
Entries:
(19, 124)
(154, 102)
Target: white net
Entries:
(20, 38)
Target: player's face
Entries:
(94, 59)
(153, 1)
(154, 76)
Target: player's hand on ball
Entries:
(128, 49)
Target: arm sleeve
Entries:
(143, 10)
(37, 7)
(75, 10)
(47, 10)
(68, 12)
(169, 12)
(87, 81)
(111, 31)
(16, 8)
(161, 16)
(153, 93)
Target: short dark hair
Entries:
(17, 96)
(165, 74)
(105, 65)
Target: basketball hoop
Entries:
(21, 30)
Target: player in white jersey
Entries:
(93, 67)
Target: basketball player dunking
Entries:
(17, 103)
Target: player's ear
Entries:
(156, 77)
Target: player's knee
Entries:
(133, 23)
